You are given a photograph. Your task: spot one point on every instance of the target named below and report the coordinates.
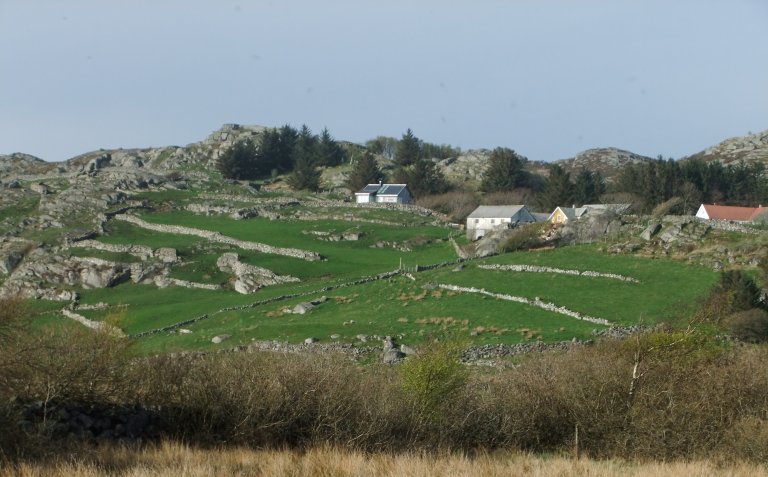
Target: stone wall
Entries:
(217, 237)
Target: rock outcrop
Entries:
(249, 278)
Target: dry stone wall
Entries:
(219, 238)
(537, 269)
(535, 302)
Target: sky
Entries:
(547, 78)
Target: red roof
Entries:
(727, 212)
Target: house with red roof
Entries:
(732, 213)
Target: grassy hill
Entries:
(409, 308)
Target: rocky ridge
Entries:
(749, 148)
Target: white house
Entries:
(489, 217)
(384, 193)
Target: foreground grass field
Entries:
(174, 459)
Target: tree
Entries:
(305, 148)
(384, 145)
(239, 161)
(558, 190)
(365, 171)
(505, 171)
(305, 175)
(271, 151)
(408, 149)
(423, 178)
(288, 138)
(588, 187)
(329, 153)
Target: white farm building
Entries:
(489, 217)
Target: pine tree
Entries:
(288, 138)
(558, 189)
(239, 161)
(305, 175)
(588, 187)
(305, 148)
(271, 152)
(408, 149)
(505, 171)
(366, 171)
(423, 178)
(329, 153)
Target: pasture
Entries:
(411, 308)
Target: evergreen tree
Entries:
(305, 175)
(271, 152)
(305, 148)
(505, 171)
(423, 178)
(408, 149)
(558, 190)
(588, 187)
(366, 171)
(288, 138)
(329, 153)
(239, 161)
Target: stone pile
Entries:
(249, 278)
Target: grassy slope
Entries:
(396, 307)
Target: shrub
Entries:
(671, 206)
(433, 377)
(750, 326)
(735, 291)
(457, 204)
(525, 237)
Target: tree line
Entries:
(283, 150)
(646, 184)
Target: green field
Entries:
(412, 310)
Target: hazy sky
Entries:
(548, 78)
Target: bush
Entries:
(526, 237)
(735, 291)
(457, 205)
(750, 326)
(671, 206)
(433, 377)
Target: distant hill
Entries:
(752, 147)
(609, 161)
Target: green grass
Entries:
(396, 307)
(120, 257)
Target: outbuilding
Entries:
(490, 217)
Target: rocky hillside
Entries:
(752, 147)
(609, 161)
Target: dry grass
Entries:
(174, 459)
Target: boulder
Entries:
(166, 254)
(407, 350)
(302, 308)
(220, 338)
(8, 260)
(310, 340)
(650, 231)
(392, 356)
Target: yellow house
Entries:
(562, 215)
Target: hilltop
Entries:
(749, 148)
